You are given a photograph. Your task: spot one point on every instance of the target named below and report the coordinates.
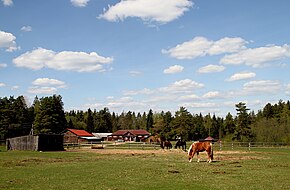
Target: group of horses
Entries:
(195, 148)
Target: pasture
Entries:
(261, 168)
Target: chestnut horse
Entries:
(197, 147)
(166, 144)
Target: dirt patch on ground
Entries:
(218, 155)
(126, 151)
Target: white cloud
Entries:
(288, 86)
(26, 28)
(262, 86)
(49, 82)
(79, 3)
(160, 11)
(173, 69)
(135, 73)
(211, 69)
(227, 45)
(7, 40)
(212, 94)
(42, 90)
(188, 97)
(241, 76)
(201, 46)
(3, 65)
(185, 85)
(143, 91)
(14, 87)
(2, 84)
(7, 2)
(201, 105)
(46, 86)
(257, 57)
(182, 86)
(65, 60)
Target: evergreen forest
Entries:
(47, 115)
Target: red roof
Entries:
(134, 132)
(81, 133)
(209, 138)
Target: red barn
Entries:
(129, 135)
(78, 136)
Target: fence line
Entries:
(249, 145)
(149, 146)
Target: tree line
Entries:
(47, 115)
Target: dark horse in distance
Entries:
(181, 143)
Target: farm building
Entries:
(102, 136)
(129, 135)
(41, 142)
(79, 136)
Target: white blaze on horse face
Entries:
(189, 150)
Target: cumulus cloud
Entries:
(201, 46)
(160, 11)
(42, 90)
(65, 60)
(79, 3)
(257, 57)
(7, 41)
(46, 86)
(186, 85)
(173, 69)
(212, 94)
(26, 28)
(49, 82)
(262, 86)
(181, 86)
(7, 3)
(241, 76)
(211, 69)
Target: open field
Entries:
(265, 168)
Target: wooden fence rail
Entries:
(150, 146)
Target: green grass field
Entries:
(144, 169)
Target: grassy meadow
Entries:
(144, 169)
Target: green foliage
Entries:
(272, 123)
(49, 115)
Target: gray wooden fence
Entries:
(29, 142)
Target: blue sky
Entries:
(137, 55)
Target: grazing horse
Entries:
(197, 147)
(166, 144)
(180, 143)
